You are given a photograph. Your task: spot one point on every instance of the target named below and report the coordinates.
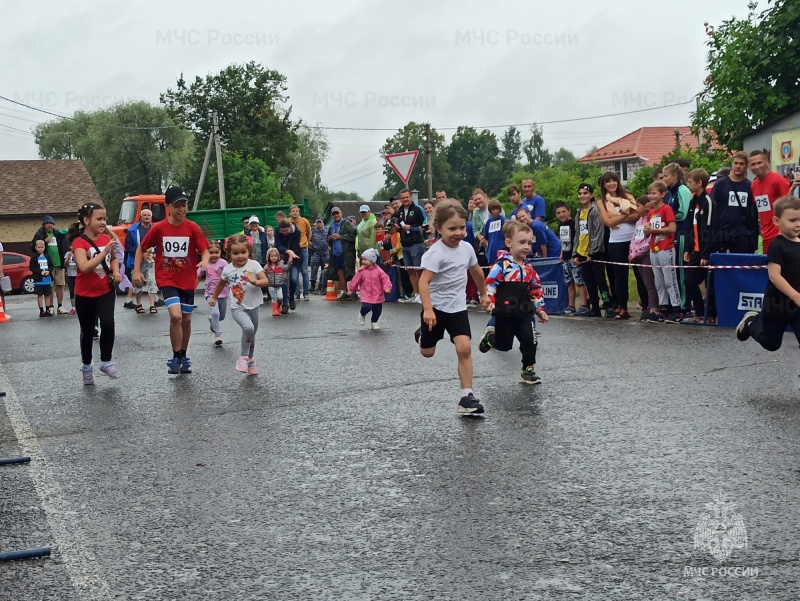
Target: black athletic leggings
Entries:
(89, 310)
(618, 253)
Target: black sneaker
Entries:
(470, 405)
(129, 305)
(285, 310)
(673, 318)
(417, 334)
(591, 313)
(656, 317)
(743, 329)
(159, 303)
(484, 345)
(291, 304)
(528, 376)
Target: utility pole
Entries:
(428, 153)
(203, 172)
(220, 175)
(700, 130)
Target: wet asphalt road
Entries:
(343, 471)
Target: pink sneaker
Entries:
(252, 370)
(241, 364)
(71, 312)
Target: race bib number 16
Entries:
(176, 247)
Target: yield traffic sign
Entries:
(403, 163)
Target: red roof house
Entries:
(641, 148)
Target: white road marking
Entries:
(75, 550)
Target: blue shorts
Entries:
(174, 296)
(412, 255)
(338, 262)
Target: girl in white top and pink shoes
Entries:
(373, 283)
(245, 277)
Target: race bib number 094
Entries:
(176, 246)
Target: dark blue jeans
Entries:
(376, 309)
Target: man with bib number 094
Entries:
(177, 241)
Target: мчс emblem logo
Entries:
(720, 529)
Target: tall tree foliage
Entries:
(468, 153)
(251, 101)
(753, 68)
(121, 160)
(537, 155)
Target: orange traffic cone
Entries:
(330, 293)
(276, 308)
(3, 316)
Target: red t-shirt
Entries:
(765, 192)
(177, 247)
(93, 283)
(659, 218)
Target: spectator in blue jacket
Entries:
(133, 238)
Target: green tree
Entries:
(537, 155)
(492, 177)
(301, 176)
(510, 149)
(121, 159)
(468, 152)
(562, 156)
(412, 137)
(753, 68)
(248, 183)
(255, 118)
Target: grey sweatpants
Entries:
(218, 314)
(669, 293)
(248, 320)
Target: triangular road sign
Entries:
(403, 163)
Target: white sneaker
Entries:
(375, 326)
(417, 300)
(303, 297)
(362, 319)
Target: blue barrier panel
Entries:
(551, 274)
(738, 290)
(391, 271)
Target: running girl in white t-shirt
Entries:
(441, 289)
(245, 277)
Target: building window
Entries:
(621, 169)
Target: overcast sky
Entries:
(370, 64)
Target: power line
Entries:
(355, 180)
(108, 125)
(16, 129)
(359, 172)
(572, 120)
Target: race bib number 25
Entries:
(176, 246)
(762, 204)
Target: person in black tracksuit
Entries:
(701, 237)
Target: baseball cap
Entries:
(363, 209)
(335, 210)
(370, 255)
(48, 219)
(395, 197)
(586, 186)
(175, 194)
(253, 219)
(320, 219)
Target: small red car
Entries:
(16, 267)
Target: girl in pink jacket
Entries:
(373, 283)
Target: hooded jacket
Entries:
(365, 233)
(373, 283)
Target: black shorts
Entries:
(175, 296)
(43, 289)
(455, 324)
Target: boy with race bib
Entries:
(177, 242)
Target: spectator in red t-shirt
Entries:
(767, 187)
(178, 242)
(661, 227)
(98, 274)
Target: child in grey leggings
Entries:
(244, 277)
